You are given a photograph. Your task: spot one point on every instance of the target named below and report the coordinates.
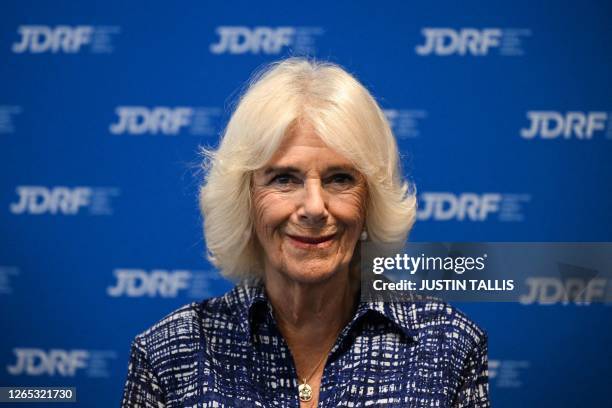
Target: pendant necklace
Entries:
(304, 389)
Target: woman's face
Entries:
(309, 207)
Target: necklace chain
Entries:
(317, 366)
(305, 390)
(323, 357)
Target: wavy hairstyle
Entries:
(343, 114)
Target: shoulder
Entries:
(438, 324)
(448, 327)
(436, 315)
(186, 327)
(167, 358)
(182, 321)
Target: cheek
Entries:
(350, 209)
(270, 210)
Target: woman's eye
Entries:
(341, 179)
(284, 179)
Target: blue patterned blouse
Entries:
(228, 352)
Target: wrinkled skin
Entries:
(309, 209)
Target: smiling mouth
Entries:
(306, 241)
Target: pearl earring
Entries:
(364, 235)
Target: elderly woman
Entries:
(307, 168)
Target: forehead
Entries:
(303, 145)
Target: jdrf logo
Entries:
(552, 290)
(37, 39)
(37, 200)
(445, 206)
(240, 40)
(41, 200)
(138, 120)
(32, 361)
(266, 40)
(138, 283)
(551, 124)
(444, 41)
(165, 120)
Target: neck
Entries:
(310, 315)
(298, 304)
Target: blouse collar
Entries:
(250, 302)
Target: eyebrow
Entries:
(291, 169)
(281, 169)
(347, 168)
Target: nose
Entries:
(313, 208)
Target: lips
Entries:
(311, 240)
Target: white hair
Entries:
(343, 114)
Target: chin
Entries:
(310, 271)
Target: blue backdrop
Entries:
(502, 111)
